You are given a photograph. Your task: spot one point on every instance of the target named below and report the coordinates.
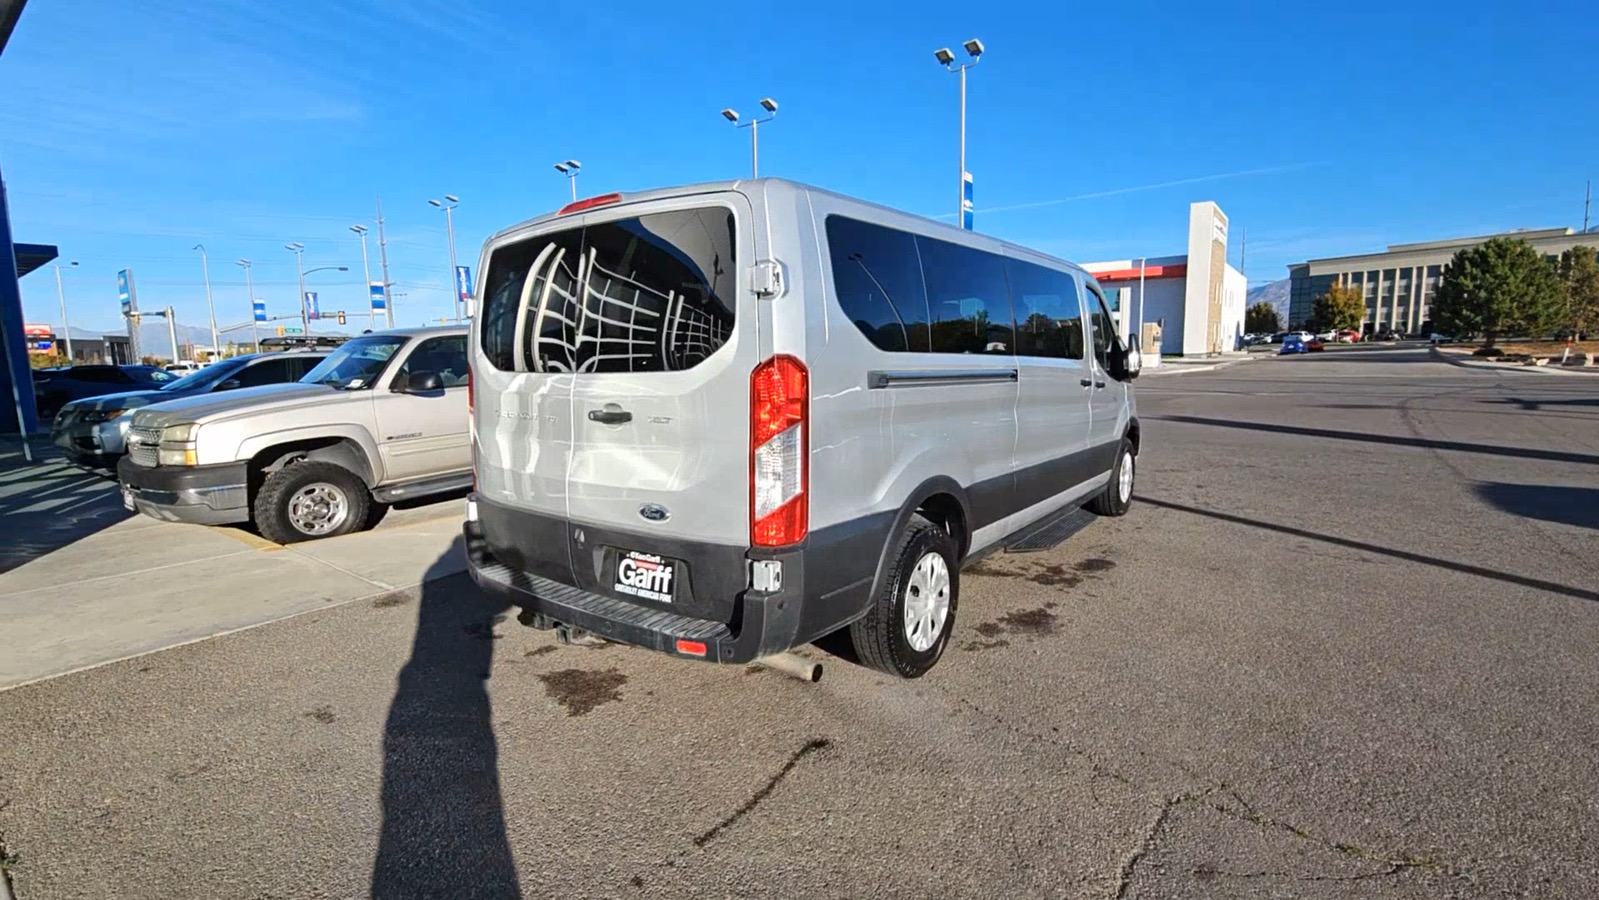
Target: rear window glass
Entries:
(653, 293)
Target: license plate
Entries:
(646, 576)
(127, 498)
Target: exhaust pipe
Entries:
(793, 665)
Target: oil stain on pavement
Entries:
(580, 690)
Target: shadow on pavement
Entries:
(1535, 405)
(443, 819)
(1406, 555)
(1365, 438)
(1553, 503)
(49, 504)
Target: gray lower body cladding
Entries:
(200, 495)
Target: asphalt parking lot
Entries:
(1343, 646)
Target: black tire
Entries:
(880, 638)
(1117, 497)
(278, 523)
(375, 513)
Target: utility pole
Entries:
(216, 339)
(1587, 203)
(66, 328)
(172, 332)
(1243, 251)
(383, 263)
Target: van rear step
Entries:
(1051, 532)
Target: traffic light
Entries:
(341, 317)
(280, 331)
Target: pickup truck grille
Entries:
(144, 445)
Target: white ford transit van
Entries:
(724, 420)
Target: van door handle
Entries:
(1086, 382)
(610, 416)
(1099, 384)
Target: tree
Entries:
(1500, 287)
(1343, 307)
(1262, 318)
(1579, 275)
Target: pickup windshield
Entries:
(357, 364)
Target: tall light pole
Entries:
(216, 339)
(249, 288)
(449, 204)
(371, 317)
(974, 49)
(383, 265)
(570, 169)
(754, 125)
(61, 294)
(298, 249)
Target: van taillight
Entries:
(779, 399)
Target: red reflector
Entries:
(590, 203)
(691, 648)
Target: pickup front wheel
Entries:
(307, 500)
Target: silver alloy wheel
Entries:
(318, 508)
(926, 602)
(1124, 487)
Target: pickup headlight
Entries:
(177, 446)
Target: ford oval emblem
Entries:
(654, 512)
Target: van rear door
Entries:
(649, 332)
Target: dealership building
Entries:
(1190, 304)
(1399, 283)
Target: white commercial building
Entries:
(1196, 299)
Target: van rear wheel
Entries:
(908, 626)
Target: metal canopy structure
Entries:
(33, 256)
(19, 415)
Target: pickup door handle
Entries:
(610, 416)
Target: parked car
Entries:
(1315, 345)
(382, 418)
(1330, 334)
(1348, 336)
(766, 453)
(182, 366)
(1293, 344)
(55, 387)
(92, 433)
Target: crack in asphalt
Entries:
(1249, 813)
(755, 799)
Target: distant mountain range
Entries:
(1275, 293)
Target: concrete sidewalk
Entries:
(83, 581)
(1466, 361)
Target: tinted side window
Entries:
(878, 280)
(267, 371)
(1104, 328)
(647, 294)
(967, 299)
(1049, 320)
(97, 375)
(445, 356)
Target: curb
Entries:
(1454, 360)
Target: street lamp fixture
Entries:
(249, 288)
(61, 294)
(449, 204)
(974, 49)
(366, 267)
(570, 169)
(216, 338)
(754, 125)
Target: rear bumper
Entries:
(200, 495)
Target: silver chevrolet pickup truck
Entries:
(384, 418)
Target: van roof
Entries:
(751, 185)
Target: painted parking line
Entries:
(250, 539)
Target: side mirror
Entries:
(229, 385)
(1125, 363)
(1134, 362)
(421, 383)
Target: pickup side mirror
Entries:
(420, 383)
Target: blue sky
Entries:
(152, 126)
